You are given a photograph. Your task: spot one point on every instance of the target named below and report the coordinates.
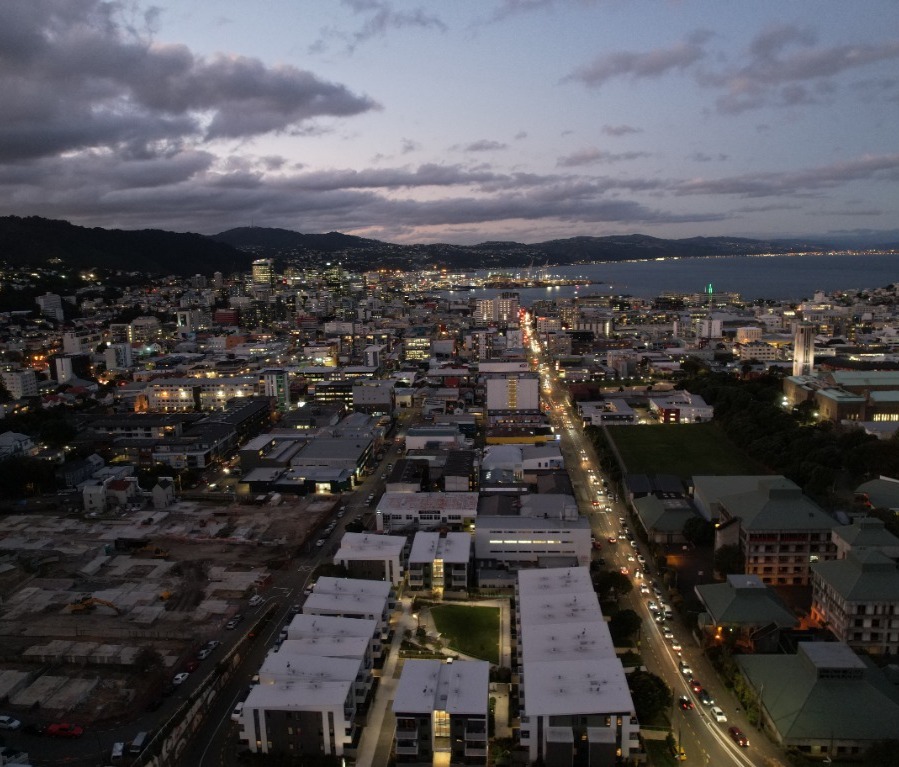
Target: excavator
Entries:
(88, 603)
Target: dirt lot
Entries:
(97, 614)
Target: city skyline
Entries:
(413, 122)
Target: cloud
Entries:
(379, 18)
(484, 145)
(593, 156)
(636, 66)
(409, 145)
(620, 130)
(76, 78)
(812, 180)
(780, 62)
(703, 157)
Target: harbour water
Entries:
(769, 277)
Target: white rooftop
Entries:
(432, 685)
(303, 682)
(452, 548)
(576, 687)
(369, 546)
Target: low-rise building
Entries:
(442, 706)
(439, 563)
(576, 706)
(375, 557)
(426, 511)
(857, 599)
(519, 542)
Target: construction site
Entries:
(96, 614)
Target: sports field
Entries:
(682, 449)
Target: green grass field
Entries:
(469, 630)
(682, 449)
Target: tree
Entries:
(729, 560)
(624, 624)
(650, 694)
(613, 583)
(699, 531)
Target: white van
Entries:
(138, 743)
(118, 752)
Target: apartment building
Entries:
(439, 563)
(441, 707)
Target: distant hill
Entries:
(359, 253)
(34, 240)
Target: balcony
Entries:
(407, 749)
(406, 732)
(475, 750)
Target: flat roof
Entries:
(569, 687)
(306, 625)
(298, 682)
(368, 545)
(454, 548)
(460, 687)
(413, 502)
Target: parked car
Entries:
(320, 542)
(65, 730)
(180, 678)
(8, 723)
(204, 653)
(718, 714)
(685, 668)
(695, 685)
(256, 600)
(212, 644)
(236, 713)
(232, 624)
(191, 666)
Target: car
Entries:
(613, 539)
(719, 715)
(236, 713)
(65, 730)
(341, 513)
(8, 723)
(638, 574)
(685, 668)
(660, 618)
(624, 571)
(644, 589)
(705, 698)
(621, 520)
(695, 684)
(667, 633)
(212, 644)
(633, 543)
(739, 738)
(641, 559)
(630, 558)
(685, 703)
(256, 600)
(676, 646)
(320, 542)
(652, 606)
(191, 666)
(384, 475)
(204, 653)
(180, 678)
(232, 624)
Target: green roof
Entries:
(744, 600)
(805, 702)
(864, 576)
(773, 506)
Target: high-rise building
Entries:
(51, 306)
(804, 350)
(263, 273)
(276, 384)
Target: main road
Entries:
(704, 740)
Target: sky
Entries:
(457, 121)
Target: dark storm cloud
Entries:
(73, 77)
